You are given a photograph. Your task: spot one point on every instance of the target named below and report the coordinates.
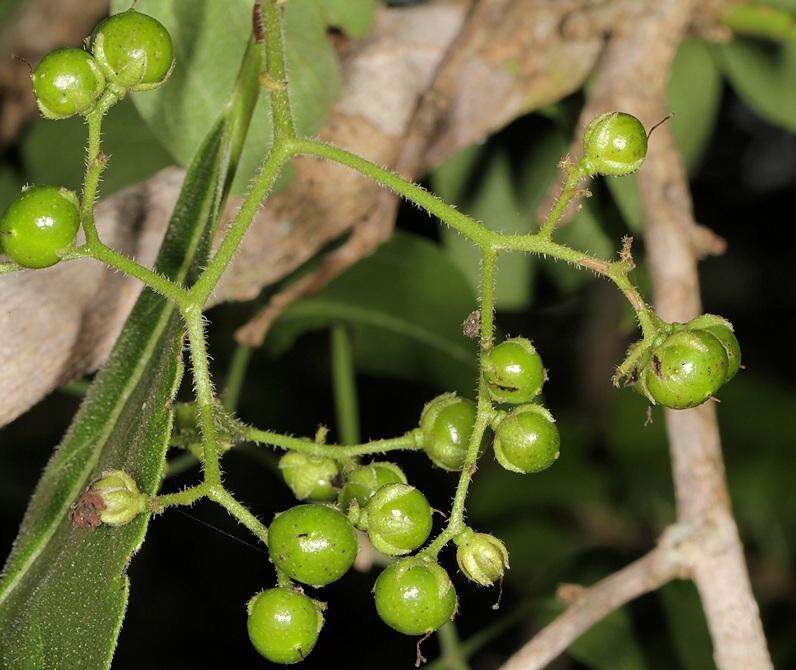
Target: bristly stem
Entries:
(239, 511)
(276, 80)
(345, 386)
(574, 174)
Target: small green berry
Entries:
(685, 370)
(415, 596)
(312, 544)
(134, 50)
(446, 425)
(366, 480)
(513, 371)
(482, 558)
(309, 477)
(723, 331)
(40, 224)
(398, 519)
(122, 501)
(67, 82)
(284, 624)
(614, 144)
(527, 440)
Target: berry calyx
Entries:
(122, 501)
(398, 519)
(482, 558)
(724, 332)
(446, 425)
(614, 144)
(309, 477)
(415, 596)
(134, 50)
(513, 371)
(39, 225)
(685, 370)
(284, 624)
(527, 440)
(363, 483)
(312, 544)
(67, 82)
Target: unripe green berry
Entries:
(284, 624)
(446, 425)
(614, 144)
(366, 480)
(309, 477)
(723, 331)
(513, 371)
(482, 558)
(398, 519)
(685, 370)
(122, 501)
(312, 544)
(67, 82)
(39, 225)
(527, 440)
(134, 50)
(415, 596)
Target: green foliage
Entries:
(353, 17)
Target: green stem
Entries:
(185, 497)
(345, 386)
(275, 69)
(225, 499)
(570, 189)
(235, 377)
(452, 656)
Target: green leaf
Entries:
(182, 111)
(404, 305)
(135, 153)
(354, 17)
(764, 76)
(64, 589)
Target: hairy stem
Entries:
(236, 509)
(569, 191)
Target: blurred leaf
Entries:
(353, 17)
(10, 184)
(687, 624)
(183, 110)
(405, 305)
(764, 76)
(54, 151)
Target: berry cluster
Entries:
(128, 52)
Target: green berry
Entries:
(284, 624)
(309, 477)
(312, 544)
(513, 371)
(415, 596)
(723, 331)
(685, 370)
(398, 519)
(40, 224)
(122, 501)
(446, 425)
(527, 440)
(134, 50)
(365, 481)
(482, 558)
(67, 82)
(614, 144)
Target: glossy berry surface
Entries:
(513, 371)
(134, 50)
(283, 625)
(684, 371)
(67, 82)
(398, 519)
(446, 425)
(415, 596)
(39, 224)
(309, 477)
(723, 331)
(527, 440)
(366, 480)
(313, 544)
(482, 558)
(614, 144)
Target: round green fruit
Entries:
(39, 225)
(415, 596)
(686, 370)
(284, 624)
(513, 371)
(134, 50)
(482, 558)
(309, 477)
(67, 82)
(614, 144)
(527, 440)
(398, 519)
(363, 483)
(724, 332)
(446, 425)
(312, 544)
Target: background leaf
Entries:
(354, 17)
